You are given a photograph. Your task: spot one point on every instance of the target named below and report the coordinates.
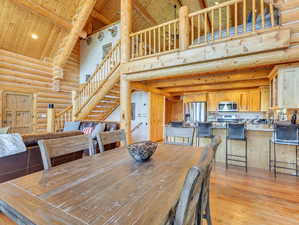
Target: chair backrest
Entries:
(204, 129)
(179, 135)
(236, 131)
(52, 148)
(105, 138)
(286, 133)
(193, 203)
(4, 130)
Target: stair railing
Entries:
(109, 64)
(64, 116)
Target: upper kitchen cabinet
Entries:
(285, 87)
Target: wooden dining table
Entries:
(108, 188)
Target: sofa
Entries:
(28, 162)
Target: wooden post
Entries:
(1, 108)
(184, 28)
(125, 106)
(126, 28)
(74, 103)
(51, 119)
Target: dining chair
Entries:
(194, 205)
(179, 135)
(110, 137)
(52, 148)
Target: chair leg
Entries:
(246, 164)
(270, 155)
(275, 160)
(226, 161)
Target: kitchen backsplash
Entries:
(239, 115)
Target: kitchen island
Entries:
(258, 143)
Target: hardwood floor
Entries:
(256, 198)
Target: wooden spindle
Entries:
(272, 13)
(174, 32)
(155, 50)
(263, 13)
(244, 16)
(253, 15)
(220, 24)
(212, 25)
(150, 43)
(236, 18)
(206, 26)
(192, 29)
(159, 39)
(169, 37)
(227, 21)
(199, 27)
(164, 38)
(133, 45)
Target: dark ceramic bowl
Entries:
(142, 151)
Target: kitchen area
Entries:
(258, 126)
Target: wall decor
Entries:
(89, 40)
(101, 36)
(106, 49)
(113, 31)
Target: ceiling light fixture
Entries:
(34, 36)
(216, 3)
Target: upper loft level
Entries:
(226, 21)
(225, 31)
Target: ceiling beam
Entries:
(253, 74)
(42, 11)
(142, 87)
(70, 40)
(203, 5)
(143, 12)
(218, 87)
(95, 14)
(100, 5)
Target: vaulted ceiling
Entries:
(35, 28)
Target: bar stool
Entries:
(236, 131)
(204, 130)
(284, 134)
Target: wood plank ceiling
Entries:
(50, 21)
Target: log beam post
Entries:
(184, 28)
(125, 106)
(51, 119)
(126, 29)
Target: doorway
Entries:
(17, 112)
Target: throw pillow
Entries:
(71, 126)
(4, 130)
(87, 130)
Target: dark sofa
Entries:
(28, 162)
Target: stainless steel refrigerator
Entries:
(195, 111)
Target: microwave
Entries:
(227, 107)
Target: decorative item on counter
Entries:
(142, 151)
(294, 117)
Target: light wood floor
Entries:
(255, 198)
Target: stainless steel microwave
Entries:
(227, 107)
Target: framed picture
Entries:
(106, 49)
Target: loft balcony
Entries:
(230, 29)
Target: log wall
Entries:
(23, 74)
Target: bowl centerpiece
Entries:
(142, 151)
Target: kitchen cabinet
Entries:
(285, 88)
(265, 98)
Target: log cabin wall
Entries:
(24, 74)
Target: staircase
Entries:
(99, 96)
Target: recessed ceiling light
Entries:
(216, 3)
(34, 36)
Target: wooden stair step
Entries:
(110, 93)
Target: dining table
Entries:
(106, 188)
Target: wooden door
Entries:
(156, 117)
(17, 112)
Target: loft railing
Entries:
(231, 19)
(161, 38)
(221, 22)
(64, 116)
(95, 82)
